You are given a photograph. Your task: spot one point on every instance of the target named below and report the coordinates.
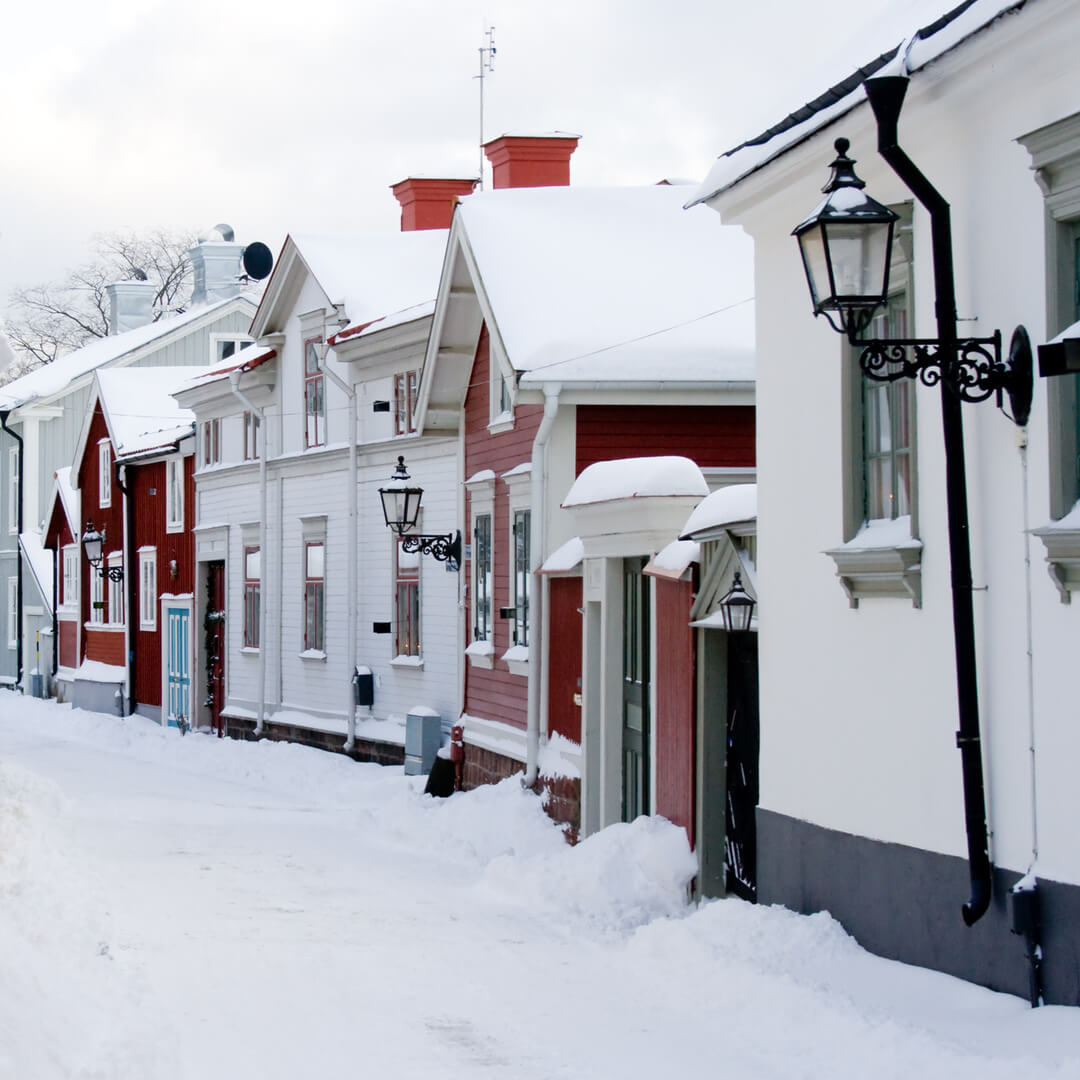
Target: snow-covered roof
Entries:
(564, 558)
(873, 46)
(70, 498)
(672, 561)
(613, 284)
(636, 478)
(244, 359)
(375, 275)
(54, 377)
(727, 506)
(141, 413)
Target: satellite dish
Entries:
(258, 260)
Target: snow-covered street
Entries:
(187, 907)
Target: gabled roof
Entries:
(67, 498)
(930, 38)
(372, 276)
(55, 377)
(141, 415)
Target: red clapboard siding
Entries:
(68, 656)
(675, 704)
(107, 646)
(495, 694)
(564, 661)
(712, 435)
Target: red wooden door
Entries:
(215, 644)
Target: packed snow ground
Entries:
(193, 908)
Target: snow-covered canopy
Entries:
(727, 506)
(564, 558)
(882, 37)
(635, 478)
(141, 413)
(613, 284)
(672, 560)
(54, 377)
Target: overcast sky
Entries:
(278, 117)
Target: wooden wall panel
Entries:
(564, 661)
(68, 656)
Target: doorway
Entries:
(635, 690)
(215, 644)
(743, 739)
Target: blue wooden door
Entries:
(178, 678)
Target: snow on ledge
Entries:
(636, 478)
(673, 560)
(883, 533)
(96, 671)
(565, 558)
(727, 506)
(480, 648)
(560, 757)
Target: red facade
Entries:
(564, 658)
(58, 535)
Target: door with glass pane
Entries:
(635, 696)
(177, 665)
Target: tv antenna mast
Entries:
(487, 64)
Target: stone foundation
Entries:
(381, 753)
(562, 801)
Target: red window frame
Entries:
(211, 442)
(252, 600)
(406, 387)
(314, 396)
(314, 600)
(406, 604)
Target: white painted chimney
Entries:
(215, 260)
(131, 304)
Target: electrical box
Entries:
(423, 737)
(1024, 911)
(364, 686)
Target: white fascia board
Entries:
(276, 291)
(395, 342)
(643, 393)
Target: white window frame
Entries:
(500, 391)
(219, 343)
(148, 591)
(251, 427)
(13, 490)
(174, 494)
(519, 499)
(481, 489)
(104, 473)
(396, 555)
(251, 640)
(70, 582)
(97, 596)
(13, 612)
(313, 532)
(211, 442)
(115, 560)
(406, 396)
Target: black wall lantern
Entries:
(92, 543)
(401, 508)
(737, 606)
(845, 247)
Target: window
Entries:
(405, 387)
(522, 576)
(482, 577)
(104, 473)
(251, 436)
(70, 594)
(314, 396)
(212, 442)
(222, 346)
(13, 490)
(315, 596)
(12, 611)
(97, 596)
(406, 601)
(148, 590)
(116, 589)
(252, 596)
(174, 494)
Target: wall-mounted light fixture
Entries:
(401, 508)
(92, 544)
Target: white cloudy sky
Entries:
(278, 116)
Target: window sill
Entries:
(1062, 542)
(148, 628)
(517, 659)
(252, 650)
(414, 662)
(313, 654)
(883, 560)
(174, 528)
(481, 654)
(108, 627)
(502, 422)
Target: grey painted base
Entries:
(98, 696)
(904, 903)
(151, 712)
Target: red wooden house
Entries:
(125, 621)
(573, 327)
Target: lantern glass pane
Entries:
(816, 264)
(859, 255)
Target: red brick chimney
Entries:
(428, 203)
(531, 160)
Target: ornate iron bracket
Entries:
(974, 373)
(445, 548)
(113, 573)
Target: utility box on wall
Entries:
(423, 737)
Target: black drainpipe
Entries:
(4, 414)
(886, 96)
(130, 571)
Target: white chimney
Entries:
(215, 260)
(131, 304)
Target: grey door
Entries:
(635, 710)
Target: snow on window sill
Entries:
(110, 627)
(313, 654)
(404, 661)
(481, 654)
(517, 659)
(148, 627)
(249, 650)
(882, 560)
(1061, 538)
(503, 422)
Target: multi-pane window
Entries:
(226, 347)
(174, 494)
(13, 490)
(97, 595)
(406, 601)
(104, 473)
(211, 442)
(116, 589)
(522, 576)
(405, 390)
(71, 576)
(251, 436)
(252, 596)
(12, 611)
(314, 396)
(482, 582)
(315, 596)
(887, 429)
(148, 590)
